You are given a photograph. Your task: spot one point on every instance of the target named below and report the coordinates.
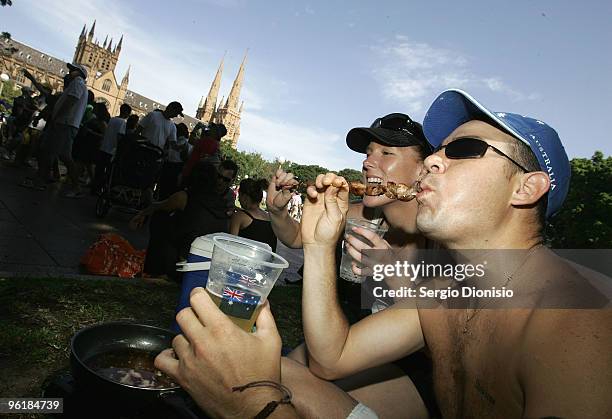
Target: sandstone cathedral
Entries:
(101, 60)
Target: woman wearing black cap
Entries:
(395, 148)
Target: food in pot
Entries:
(131, 367)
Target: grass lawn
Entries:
(38, 316)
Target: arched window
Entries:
(106, 85)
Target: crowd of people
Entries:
(73, 127)
(194, 188)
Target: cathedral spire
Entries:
(110, 45)
(91, 31)
(124, 83)
(207, 110)
(232, 99)
(126, 78)
(118, 46)
(105, 41)
(78, 53)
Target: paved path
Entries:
(44, 234)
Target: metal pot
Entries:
(111, 337)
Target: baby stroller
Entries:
(133, 177)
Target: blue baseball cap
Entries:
(454, 107)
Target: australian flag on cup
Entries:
(238, 303)
(238, 278)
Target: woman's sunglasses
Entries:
(472, 148)
(402, 122)
(396, 122)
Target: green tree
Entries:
(305, 173)
(9, 92)
(252, 165)
(7, 48)
(585, 219)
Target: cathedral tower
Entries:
(207, 107)
(229, 113)
(97, 58)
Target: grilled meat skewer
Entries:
(391, 190)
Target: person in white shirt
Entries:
(108, 147)
(177, 153)
(157, 126)
(296, 205)
(65, 121)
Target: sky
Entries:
(316, 69)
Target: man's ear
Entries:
(530, 188)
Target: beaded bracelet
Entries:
(271, 406)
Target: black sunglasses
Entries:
(396, 122)
(472, 148)
(402, 122)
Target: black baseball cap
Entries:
(78, 67)
(219, 130)
(177, 106)
(394, 129)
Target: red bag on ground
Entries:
(113, 255)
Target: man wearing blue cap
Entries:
(491, 182)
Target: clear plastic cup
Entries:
(240, 278)
(346, 268)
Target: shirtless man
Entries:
(527, 362)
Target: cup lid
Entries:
(225, 242)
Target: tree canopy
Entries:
(585, 221)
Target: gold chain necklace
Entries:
(508, 279)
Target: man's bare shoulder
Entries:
(559, 283)
(576, 331)
(565, 362)
(568, 324)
